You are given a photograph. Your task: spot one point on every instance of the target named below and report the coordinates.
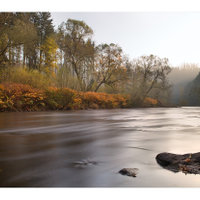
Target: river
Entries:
(87, 148)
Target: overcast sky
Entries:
(174, 35)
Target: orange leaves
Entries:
(75, 104)
(187, 160)
(21, 97)
(1, 87)
(150, 102)
(103, 100)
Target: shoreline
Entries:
(90, 109)
(15, 97)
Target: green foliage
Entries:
(49, 56)
(60, 98)
(30, 77)
(191, 92)
(14, 32)
(65, 79)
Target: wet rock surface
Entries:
(187, 163)
(129, 171)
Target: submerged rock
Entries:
(83, 163)
(129, 171)
(187, 163)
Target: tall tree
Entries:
(74, 38)
(109, 65)
(32, 55)
(44, 26)
(151, 74)
(49, 56)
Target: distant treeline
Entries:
(185, 80)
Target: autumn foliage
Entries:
(103, 100)
(150, 102)
(19, 97)
(15, 97)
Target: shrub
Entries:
(64, 98)
(15, 97)
(150, 102)
(103, 100)
(20, 97)
(31, 77)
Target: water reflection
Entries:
(40, 148)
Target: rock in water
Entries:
(83, 163)
(187, 163)
(129, 171)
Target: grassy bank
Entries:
(20, 97)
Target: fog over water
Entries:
(88, 148)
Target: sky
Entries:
(172, 35)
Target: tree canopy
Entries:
(69, 57)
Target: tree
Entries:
(109, 65)
(74, 39)
(44, 27)
(14, 32)
(49, 55)
(151, 74)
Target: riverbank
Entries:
(20, 97)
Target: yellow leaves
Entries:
(31, 95)
(49, 55)
(53, 88)
(78, 100)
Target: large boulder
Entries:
(187, 163)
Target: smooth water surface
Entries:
(88, 148)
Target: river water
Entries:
(87, 148)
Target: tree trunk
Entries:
(99, 86)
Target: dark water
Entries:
(88, 148)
